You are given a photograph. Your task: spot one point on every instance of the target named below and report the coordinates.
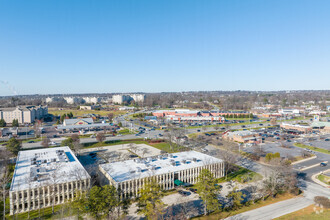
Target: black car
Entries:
(193, 190)
(184, 193)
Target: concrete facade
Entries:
(24, 114)
(46, 177)
(129, 184)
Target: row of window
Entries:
(41, 192)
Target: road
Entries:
(149, 134)
(285, 207)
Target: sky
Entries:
(88, 46)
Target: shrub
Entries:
(322, 200)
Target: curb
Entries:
(318, 181)
(307, 159)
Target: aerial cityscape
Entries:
(164, 110)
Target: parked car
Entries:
(193, 190)
(323, 164)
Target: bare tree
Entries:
(229, 159)
(100, 137)
(45, 142)
(5, 177)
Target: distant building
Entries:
(126, 108)
(296, 127)
(317, 112)
(194, 118)
(73, 100)
(89, 107)
(167, 170)
(121, 98)
(290, 111)
(44, 177)
(78, 121)
(24, 114)
(243, 136)
(138, 97)
(91, 100)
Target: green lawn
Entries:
(309, 213)
(166, 147)
(113, 142)
(242, 175)
(75, 112)
(46, 213)
(125, 131)
(321, 150)
(323, 178)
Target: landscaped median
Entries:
(321, 150)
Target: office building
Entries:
(167, 170)
(44, 177)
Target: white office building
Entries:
(167, 170)
(44, 177)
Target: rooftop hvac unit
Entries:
(138, 169)
(195, 159)
(171, 155)
(173, 163)
(160, 157)
(132, 171)
(153, 167)
(183, 161)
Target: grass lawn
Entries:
(46, 213)
(166, 147)
(125, 131)
(321, 150)
(242, 175)
(307, 213)
(258, 204)
(113, 142)
(323, 178)
(76, 112)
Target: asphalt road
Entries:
(285, 207)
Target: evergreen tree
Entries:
(149, 202)
(14, 145)
(3, 123)
(15, 123)
(208, 189)
(236, 198)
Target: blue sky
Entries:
(68, 46)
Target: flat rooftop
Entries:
(41, 167)
(161, 164)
